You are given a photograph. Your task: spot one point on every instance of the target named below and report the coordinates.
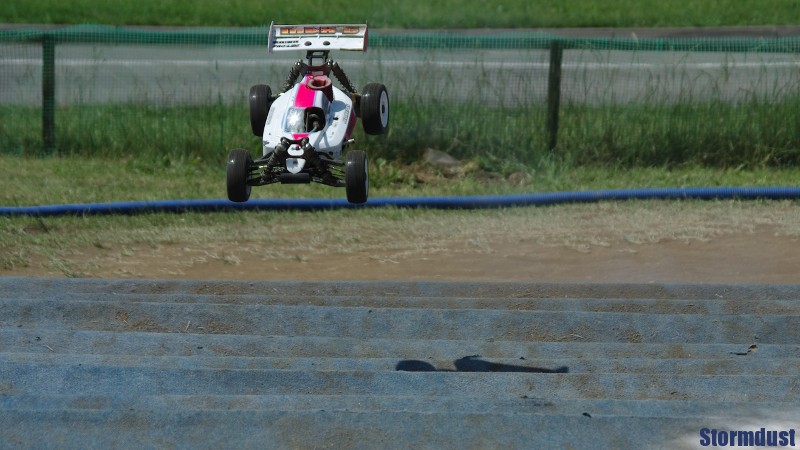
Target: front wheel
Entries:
(239, 164)
(356, 177)
(375, 108)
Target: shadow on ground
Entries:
(472, 364)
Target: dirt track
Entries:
(762, 255)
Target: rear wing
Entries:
(317, 37)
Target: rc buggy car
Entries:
(307, 129)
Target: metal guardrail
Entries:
(257, 36)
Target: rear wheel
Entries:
(239, 164)
(260, 102)
(375, 108)
(356, 177)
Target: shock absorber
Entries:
(297, 69)
(277, 158)
(310, 154)
(340, 75)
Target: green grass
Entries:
(410, 14)
(47, 180)
(713, 134)
(118, 153)
(120, 245)
(752, 133)
(160, 135)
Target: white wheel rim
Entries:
(384, 112)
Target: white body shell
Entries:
(289, 116)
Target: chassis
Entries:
(306, 130)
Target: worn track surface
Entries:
(90, 363)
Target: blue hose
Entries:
(454, 202)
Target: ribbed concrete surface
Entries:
(184, 364)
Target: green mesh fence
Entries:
(110, 91)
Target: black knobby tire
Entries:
(356, 177)
(375, 108)
(260, 102)
(239, 164)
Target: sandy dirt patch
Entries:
(678, 242)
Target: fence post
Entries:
(554, 93)
(49, 93)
